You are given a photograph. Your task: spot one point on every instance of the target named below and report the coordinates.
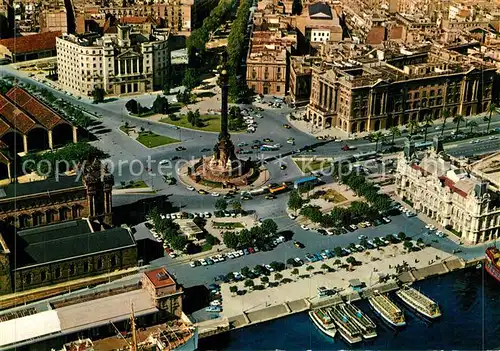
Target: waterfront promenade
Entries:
(301, 294)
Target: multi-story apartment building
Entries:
(466, 201)
(357, 97)
(176, 15)
(267, 61)
(125, 63)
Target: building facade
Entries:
(126, 63)
(358, 97)
(457, 198)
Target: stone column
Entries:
(119, 67)
(9, 171)
(51, 142)
(75, 134)
(25, 143)
(321, 93)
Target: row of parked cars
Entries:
(215, 299)
(223, 257)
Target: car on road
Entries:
(175, 158)
(348, 148)
(190, 188)
(203, 262)
(286, 126)
(202, 192)
(242, 144)
(290, 141)
(215, 303)
(269, 268)
(180, 148)
(305, 227)
(215, 194)
(270, 197)
(268, 140)
(298, 245)
(206, 149)
(386, 219)
(298, 261)
(237, 276)
(292, 216)
(163, 162)
(283, 167)
(213, 309)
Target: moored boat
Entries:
(492, 264)
(387, 309)
(419, 302)
(346, 327)
(367, 326)
(323, 322)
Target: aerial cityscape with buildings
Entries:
(249, 175)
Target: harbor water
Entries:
(469, 300)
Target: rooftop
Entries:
(160, 278)
(31, 43)
(61, 241)
(489, 168)
(38, 187)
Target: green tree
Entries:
(395, 132)
(190, 117)
(236, 205)
(446, 115)
(458, 119)
(472, 125)
(221, 204)
(160, 105)
(264, 280)
(278, 276)
(412, 125)
(294, 271)
(269, 226)
(492, 108)
(428, 121)
(249, 283)
(190, 80)
(233, 289)
(230, 239)
(290, 262)
(309, 268)
(351, 260)
(325, 266)
(166, 87)
(178, 242)
(376, 138)
(295, 201)
(245, 271)
(408, 245)
(245, 238)
(98, 95)
(132, 106)
(338, 251)
(296, 7)
(337, 262)
(197, 122)
(401, 236)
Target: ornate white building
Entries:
(121, 63)
(459, 197)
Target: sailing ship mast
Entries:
(133, 347)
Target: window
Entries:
(431, 93)
(416, 95)
(71, 269)
(85, 266)
(99, 260)
(58, 273)
(113, 261)
(278, 88)
(29, 278)
(43, 276)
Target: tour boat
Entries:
(492, 264)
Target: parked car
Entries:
(292, 216)
(213, 309)
(305, 227)
(269, 268)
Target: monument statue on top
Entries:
(224, 156)
(223, 167)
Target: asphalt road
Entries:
(123, 149)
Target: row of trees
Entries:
(62, 159)
(236, 49)
(168, 229)
(160, 105)
(198, 39)
(258, 235)
(221, 205)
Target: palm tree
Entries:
(458, 119)
(376, 137)
(428, 121)
(472, 125)
(446, 114)
(394, 132)
(412, 125)
(491, 109)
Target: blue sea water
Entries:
(469, 300)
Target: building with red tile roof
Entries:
(163, 290)
(29, 47)
(460, 198)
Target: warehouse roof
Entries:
(67, 240)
